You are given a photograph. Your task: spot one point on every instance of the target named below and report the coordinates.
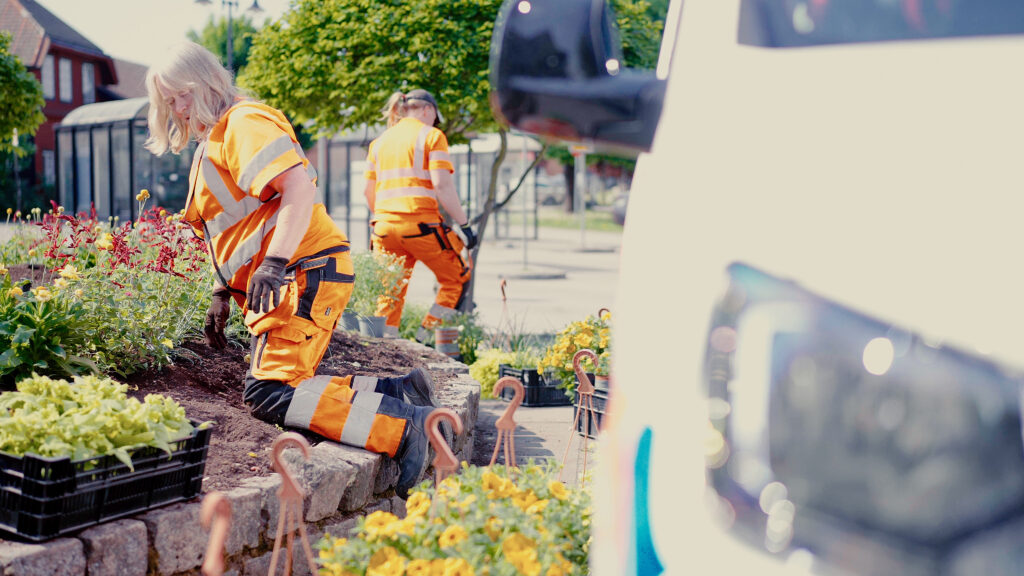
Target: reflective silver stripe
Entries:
(391, 331)
(305, 399)
(390, 193)
(360, 418)
(440, 156)
(364, 383)
(265, 157)
(402, 173)
(233, 211)
(247, 249)
(442, 312)
(421, 146)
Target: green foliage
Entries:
(21, 99)
(39, 333)
(485, 369)
(90, 417)
(482, 521)
(412, 319)
(640, 34)
(336, 62)
(214, 37)
(471, 334)
(592, 333)
(379, 276)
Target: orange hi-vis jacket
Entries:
(404, 191)
(229, 202)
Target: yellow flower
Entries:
(143, 195)
(31, 252)
(418, 567)
(493, 528)
(467, 502)
(14, 292)
(457, 567)
(521, 552)
(60, 283)
(417, 505)
(42, 293)
(386, 562)
(167, 343)
(379, 524)
(560, 567)
(452, 535)
(524, 500)
(69, 271)
(105, 242)
(557, 489)
(3, 270)
(537, 507)
(78, 293)
(163, 213)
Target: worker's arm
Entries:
(444, 186)
(297, 194)
(371, 193)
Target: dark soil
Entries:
(208, 384)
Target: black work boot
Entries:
(414, 453)
(418, 388)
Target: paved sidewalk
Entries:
(541, 433)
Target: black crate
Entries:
(600, 402)
(42, 498)
(538, 391)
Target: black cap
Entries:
(423, 95)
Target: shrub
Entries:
(379, 275)
(483, 521)
(471, 334)
(412, 319)
(485, 369)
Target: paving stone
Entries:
(246, 519)
(60, 557)
(178, 540)
(119, 548)
(323, 478)
(366, 466)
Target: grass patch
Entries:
(600, 221)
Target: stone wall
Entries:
(341, 484)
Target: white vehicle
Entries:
(819, 333)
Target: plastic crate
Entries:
(600, 401)
(538, 392)
(42, 498)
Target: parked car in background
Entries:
(818, 363)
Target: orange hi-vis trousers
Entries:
(282, 387)
(440, 248)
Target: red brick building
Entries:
(72, 70)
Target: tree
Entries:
(21, 100)
(334, 63)
(214, 37)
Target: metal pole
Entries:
(522, 193)
(231, 47)
(579, 185)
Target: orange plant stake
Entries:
(290, 495)
(444, 461)
(215, 511)
(585, 406)
(506, 424)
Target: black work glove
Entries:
(265, 286)
(217, 318)
(471, 239)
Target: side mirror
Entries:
(556, 71)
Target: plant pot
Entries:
(350, 321)
(446, 341)
(372, 326)
(601, 382)
(538, 391)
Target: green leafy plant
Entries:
(379, 275)
(412, 319)
(471, 334)
(593, 333)
(495, 521)
(485, 369)
(88, 417)
(39, 332)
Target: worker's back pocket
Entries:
(327, 287)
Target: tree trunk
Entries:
(485, 214)
(569, 171)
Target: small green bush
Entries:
(485, 369)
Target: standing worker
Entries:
(281, 259)
(408, 175)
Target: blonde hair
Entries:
(395, 109)
(187, 68)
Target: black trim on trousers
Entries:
(326, 273)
